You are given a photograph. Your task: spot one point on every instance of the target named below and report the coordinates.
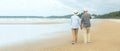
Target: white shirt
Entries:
(75, 22)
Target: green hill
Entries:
(65, 16)
(115, 15)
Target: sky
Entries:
(56, 7)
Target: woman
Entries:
(75, 24)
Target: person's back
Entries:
(86, 20)
(75, 21)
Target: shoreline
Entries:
(104, 38)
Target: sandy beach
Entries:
(105, 37)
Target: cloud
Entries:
(33, 7)
(56, 7)
(94, 6)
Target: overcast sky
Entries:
(55, 7)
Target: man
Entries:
(85, 23)
(75, 24)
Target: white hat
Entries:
(75, 11)
(85, 9)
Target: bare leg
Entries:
(88, 30)
(88, 34)
(85, 35)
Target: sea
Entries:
(20, 30)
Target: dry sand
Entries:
(105, 37)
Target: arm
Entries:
(81, 26)
(81, 23)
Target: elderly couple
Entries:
(83, 23)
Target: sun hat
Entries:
(75, 11)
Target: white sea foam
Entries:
(30, 20)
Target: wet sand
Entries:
(105, 37)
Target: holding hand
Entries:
(81, 27)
